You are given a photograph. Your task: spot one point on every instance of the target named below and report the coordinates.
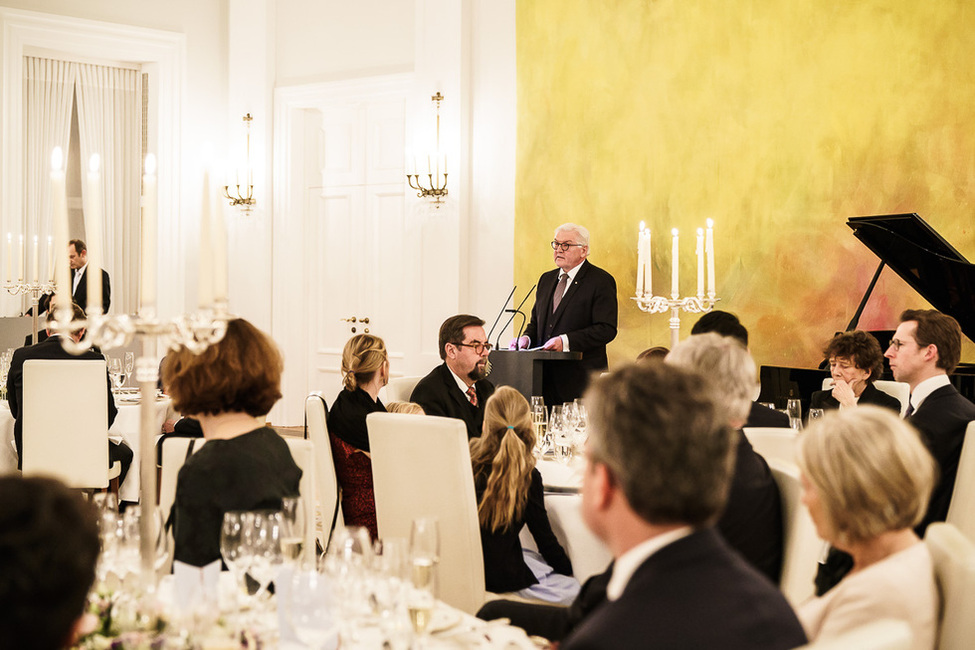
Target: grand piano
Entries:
(929, 264)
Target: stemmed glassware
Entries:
(560, 429)
(425, 560)
(311, 608)
(116, 372)
(293, 529)
(261, 546)
(794, 409)
(128, 364)
(540, 422)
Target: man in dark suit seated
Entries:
(727, 324)
(51, 348)
(659, 464)
(575, 311)
(924, 350)
(457, 388)
(49, 547)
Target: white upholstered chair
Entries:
(399, 389)
(899, 389)
(773, 442)
(65, 422)
(882, 634)
(801, 546)
(329, 493)
(954, 567)
(421, 467)
(961, 512)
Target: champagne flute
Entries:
(425, 553)
(293, 528)
(129, 363)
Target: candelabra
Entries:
(36, 290)
(436, 168)
(196, 332)
(247, 198)
(660, 304)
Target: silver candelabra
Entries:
(660, 304)
(35, 289)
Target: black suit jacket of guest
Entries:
(762, 416)
(823, 399)
(942, 419)
(80, 295)
(47, 349)
(588, 315)
(439, 394)
(693, 593)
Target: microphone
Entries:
(500, 313)
(524, 319)
(513, 313)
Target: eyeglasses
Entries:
(897, 344)
(477, 346)
(564, 245)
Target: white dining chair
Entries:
(882, 634)
(898, 389)
(773, 442)
(801, 546)
(954, 567)
(421, 467)
(329, 491)
(399, 389)
(65, 422)
(961, 512)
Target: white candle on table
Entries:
(148, 288)
(674, 290)
(204, 291)
(709, 249)
(219, 241)
(648, 282)
(20, 258)
(641, 261)
(93, 225)
(34, 265)
(50, 258)
(700, 262)
(10, 254)
(62, 275)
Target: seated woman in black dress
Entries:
(365, 369)
(510, 495)
(244, 465)
(855, 362)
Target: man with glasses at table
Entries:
(457, 388)
(575, 311)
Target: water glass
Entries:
(311, 608)
(293, 529)
(794, 409)
(815, 414)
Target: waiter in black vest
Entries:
(575, 311)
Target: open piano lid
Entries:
(922, 257)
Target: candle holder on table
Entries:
(36, 290)
(660, 304)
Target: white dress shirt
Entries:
(627, 564)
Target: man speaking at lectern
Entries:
(575, 311)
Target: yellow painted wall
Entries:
(777, 119)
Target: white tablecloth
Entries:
(588, 553)
(125, 427)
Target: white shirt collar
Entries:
(81, 270)
(572, 273)
(926, 387)
(461, 384)
(627, 564)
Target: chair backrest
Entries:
(801, 546)
(174, 452)
(882, 634)
(774, 442)
(954, 567)
(303, 452)
(421, 467)
(329, 493)
(961, 512)
(399, 389)
(65, 421)
(899, 389)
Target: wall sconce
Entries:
(247, 199)
(434, 167)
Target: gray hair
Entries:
(726, 363)
(582, 231)
(664, 440)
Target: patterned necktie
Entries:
(909, 411)
(472, 395)
(559, 290)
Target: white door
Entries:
(360, 251)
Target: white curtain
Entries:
(109, 124)
(48, 92)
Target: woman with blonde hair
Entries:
(510, 495)
(866, 480)
(365, 370)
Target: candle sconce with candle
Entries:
(702, 302)
(34, 288)
(435, 168)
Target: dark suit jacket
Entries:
(504, 564)
(823, 399)
(762, 416)
(48, 349)
(942, 419)
(587, 315)
(693, 593)
(439, 394)
(80, 296)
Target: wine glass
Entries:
(262, 546)
(293, 528)
(540, 422)
(129, 363)
(425, 553)
(793, 408)
(115, 371)
(311, 607)
(815, 414)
